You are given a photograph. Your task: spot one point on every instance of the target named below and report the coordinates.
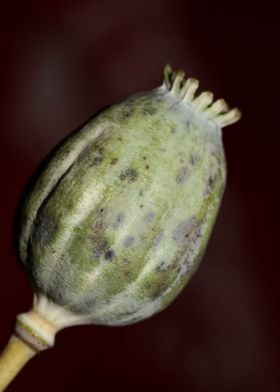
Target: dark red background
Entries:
(63, 60)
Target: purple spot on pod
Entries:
(109, 254)
(100, 219)
(127, 274)
(183, 230)
(129, 241)
(182, 175)
(158, 239)
(150, 110)
(149, 217)
(194, 159)
(210, 184)
(189, 264)
(129, 174)
(119, 219)
(100, 246)
(160, 267)
(43, 228)
(97, 160)
(126, 112)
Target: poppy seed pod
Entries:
(118, 221)
(120, 217)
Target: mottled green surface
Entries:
(119, 220)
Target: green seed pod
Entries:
(120, 218)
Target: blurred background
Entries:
(61, 61)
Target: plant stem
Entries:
(14, 356)
(33, 333)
